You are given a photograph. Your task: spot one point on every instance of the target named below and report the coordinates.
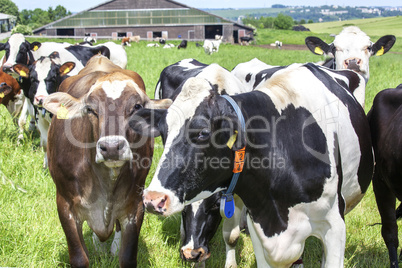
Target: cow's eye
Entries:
(136, 108)
(204, 134)
(89, 110)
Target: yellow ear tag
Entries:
(23, 74)
(318, 50)
(380, 52)
(62, 112)
(2, 95)
(66, 70)
(35, 48)
(232, 140)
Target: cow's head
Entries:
(196, 161)
(351, 49)
(199, 223)
(17, 50)
(45, 74)
(111, 100)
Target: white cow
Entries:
(211, 46)
(351, 49)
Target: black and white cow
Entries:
(173, 76)
(385, 118)
(308, 160)
(351, 49)
(117, 54)
(197, 227)
(46, 75)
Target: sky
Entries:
(80, 5)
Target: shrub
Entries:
(23, 29)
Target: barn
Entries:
(149, 19)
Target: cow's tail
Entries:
(398, 212)
(157, 91)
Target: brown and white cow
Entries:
(97, 162)
(11, 95)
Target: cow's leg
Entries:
(31, 112)
(22, 120)
(116, 240)
(386, 201)
(231, 233)
(333, 239)
(73, 230)
(130, 230)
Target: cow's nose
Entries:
(7, 68)
(195, 255)
(156, 202)
(112, 149)
(353, 64)
(38, 101)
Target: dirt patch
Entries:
(286, 47)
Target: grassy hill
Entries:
(372, 27)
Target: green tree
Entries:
(25, 16)
(8, 7)
(310, 21)
(283, 22)
(60, 12)
(302, 21)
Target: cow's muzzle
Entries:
(156, 202)
(114, 151)
(353, 64)
(195, 255)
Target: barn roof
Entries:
(117, 13)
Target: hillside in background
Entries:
(316, 14)
(373, 27)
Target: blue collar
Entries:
(227, 206)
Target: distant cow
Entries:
(97, 163)
(351, 49)
(245, 40)
(125, 41)
(183, 44)
(385, 118)
(302, 195)
(211, 46)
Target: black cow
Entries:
(183, 44)
(245, 40)
(385, 118)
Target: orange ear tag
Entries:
(239, 160)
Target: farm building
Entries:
(149, 19)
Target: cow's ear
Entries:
(2, 46)
(159, 104)
(147, 121)
(35, 46)
(63, 105)
(383, 45)
(317, 46)
(21, 69)
(66, 68)
(54, 55)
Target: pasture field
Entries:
(30, 231)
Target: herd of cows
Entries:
(284, 151)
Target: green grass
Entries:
(30, 231)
